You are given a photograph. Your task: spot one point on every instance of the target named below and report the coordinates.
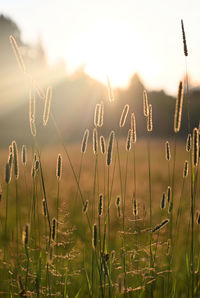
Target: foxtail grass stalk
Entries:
(58, 176)
(16, 173)
(149, 130)
(7, 180)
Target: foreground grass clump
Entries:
(64, 263)
(110, 217)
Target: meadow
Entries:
(106, 217)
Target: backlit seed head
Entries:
(102, 144)
(133, 128)
(15, 159)
(163, 201)
(110, 147)
(168, 194)
(178, 109)
(184, 39)
(85, 141)
(145, 104)
(167, 151)
(161, 225)
(53, 229)
(10, 160)
(32, 112)
(195, 147)
(59, 167)
(24, 155)
(97, 115)
(128, 140)
(33, 128)
(124, 115)
(100, 209)
(44, 207)
(149, 119)
(135, 209)
(189, 142)
(47, 105)
(101, 116)
(7, 174)
(95, 141)
(18, 54)
(185, 169)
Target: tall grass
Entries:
(89, 247)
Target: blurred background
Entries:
(74, 46)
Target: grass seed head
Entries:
(161, 225)
(178, 108)
(128, 140)
(84, 141)
(7, 174)
(97, 115)
(110, 147)
(167, 151)
(149, 119)
(169, 193)
(124, 115)
(15, 159)
(47, 105)
(135, 209)
(100, 209)
(44, 207)
(195, 147)
(185, 169)
(184, 39)
(95, 141)
(145, 104)
(59, 167)
(102, 144)
(101, 114)
(189, 142)
(18, 54)
(53, 229)
(133, 128)
(163, 201)
(24, 155)
(32, 112)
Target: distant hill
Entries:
(73, 104)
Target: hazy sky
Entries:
(115, 37)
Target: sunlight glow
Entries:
(114, 50)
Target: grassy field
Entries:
(116, 218)
(119, 263)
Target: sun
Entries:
(111, 49)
